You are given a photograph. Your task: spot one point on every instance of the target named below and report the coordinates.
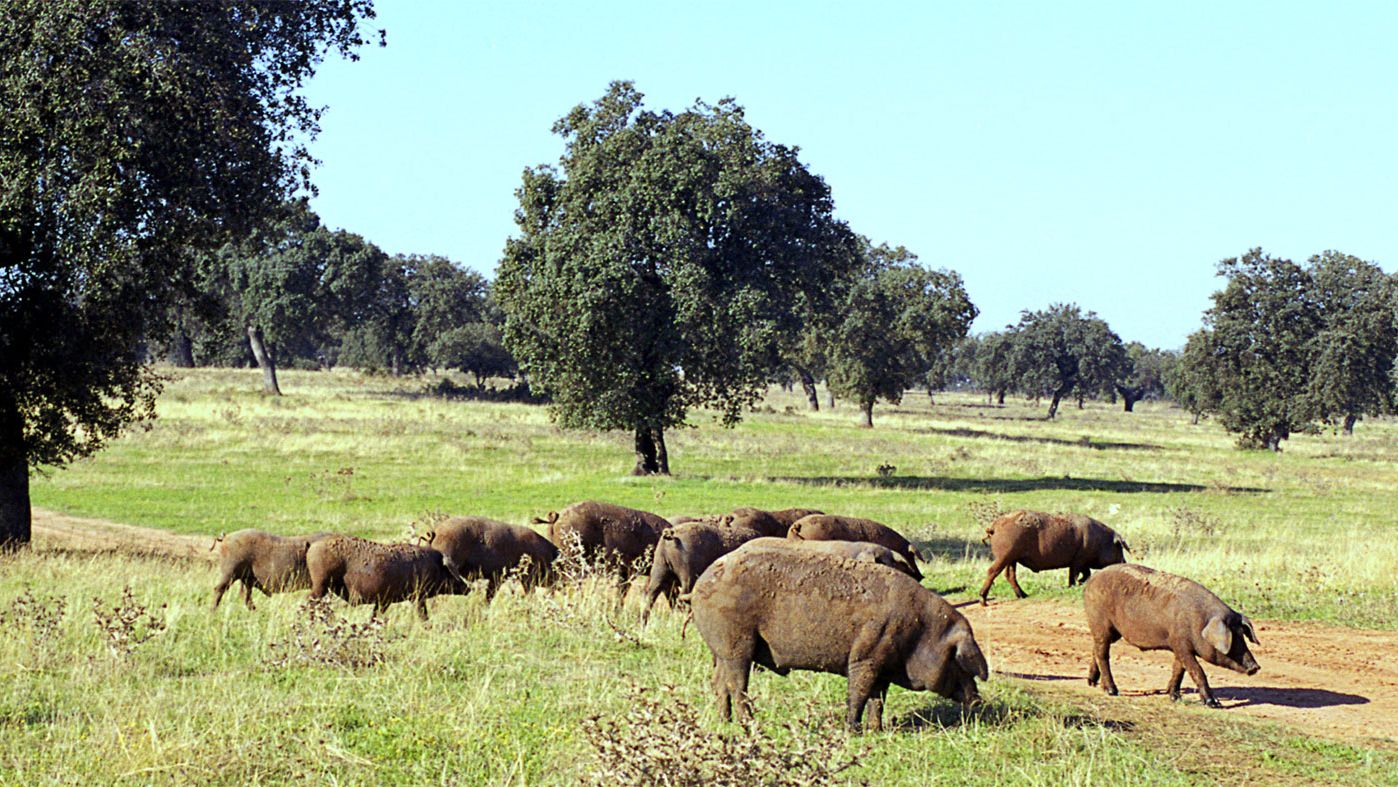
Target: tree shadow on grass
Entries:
(1100, 445)
(1006, 485)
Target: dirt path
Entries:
(53, 530)
(1319, 679)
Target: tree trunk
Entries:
(830, 399)
(14, 481)
(181, 350)
(264, 361)
(662, 454)
(1129, 396)
(868, 410)
(1350, 419)
(1053, 406)
(1000, 397)
(808, 385)
(652, 458)
(1195, 421)
(1080, 401)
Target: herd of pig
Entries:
(790, 589)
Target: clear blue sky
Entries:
(1098, 153)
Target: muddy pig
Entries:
(272, 564)
(604, 533)
(770, 523)
(475, 547)
(367, 572)
(684, 552)
(1154, 610)
(1043, 542)
(854, 550)
(822, 527)
(789, 608)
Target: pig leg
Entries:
(995, 569)
(492, 584)
(731, 685)
(248, 582)
(654, 588)
(863, 681)
(221, 588)
(1175, 680)
(422, 608)
(873, 706)
(1197, 673)
(1102, 660)
(1012, 574)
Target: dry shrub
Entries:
(1188, 522)
(320, 637)
(128, 625)
(983, 512)
(41, 615)
(660, 742)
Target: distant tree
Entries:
(897, 318)
(992, 367)
(1252, 362)
(371, 312)
(1148, 369)
(656, 270)
(446, 299)
(130, 132)
(1355, 348)
(1061, 350)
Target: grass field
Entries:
(500, 694)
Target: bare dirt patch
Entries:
(1319, 679)
(55, 531)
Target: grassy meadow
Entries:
(501, 694)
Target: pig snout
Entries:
(1250, 665)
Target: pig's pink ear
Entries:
(1248, 630)
(969, 657)
(1218, 634)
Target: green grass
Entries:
(498, 694)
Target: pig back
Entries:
(807, 607)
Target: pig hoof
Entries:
(1111, 691)
(1212, 703)
(1174, 697)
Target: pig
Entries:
(1154, 610)
(854, 550)
(604, 533)
(1043, 542)
(770, 523)
(475, 547)
(822, 527)
(684, 552)
(367, 572)
(786, 607)
(270, 563)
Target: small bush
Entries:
(41, 615)
(128, 625)
(320, 637)
(660, 741)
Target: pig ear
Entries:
(969, 657)
(1248, 630)
(1219, 635)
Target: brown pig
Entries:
(475, 547)
(1043, 542)
(272, 564)
(823, 527)
(770, 523)
(1154, 610)
(684, 552)
(606, 534)
(367, 572)
(786, 608)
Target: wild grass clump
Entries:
(128, 624)
(659, 740)
(320, 637)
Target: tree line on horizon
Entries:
(669, 261)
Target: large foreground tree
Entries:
(659, 267)
(129, 133)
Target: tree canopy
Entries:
(658, 267)
(1060, 350)
(1357, 342)
(896, 321)
(130, 133)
